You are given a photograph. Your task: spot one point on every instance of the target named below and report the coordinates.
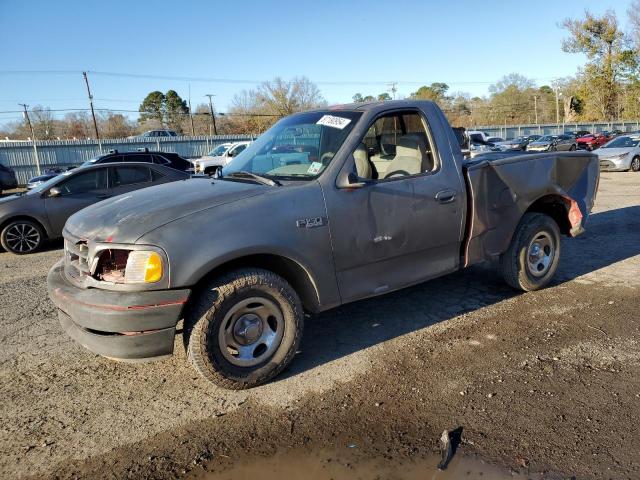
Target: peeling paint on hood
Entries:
(125, 218)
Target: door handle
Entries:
(445, 196)
(102, 195)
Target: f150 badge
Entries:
(310, 222)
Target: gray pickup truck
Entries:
(326, 207)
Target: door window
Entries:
(131, 175)
(160, 160)
(236, 151)
(396, 145)
(84, 182)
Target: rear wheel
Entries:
(635, 164)
(244, 328)
(572, 148)
(532, 259)
(22, 237)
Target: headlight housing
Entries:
(122, 266)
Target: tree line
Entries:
(605, 88)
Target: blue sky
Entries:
(357, 45)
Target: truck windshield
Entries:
(218, 151)
(297, 147)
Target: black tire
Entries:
(214, 306)
(211, 171)
(22, 237)
(635, 164)
(520, 269)
(572, 148)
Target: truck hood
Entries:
(125, 218)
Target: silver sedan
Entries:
(621, 153)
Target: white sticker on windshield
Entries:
(334, 122)
(314, 168)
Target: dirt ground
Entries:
(545, 383)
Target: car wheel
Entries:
(635, 164)
(211, 171)
(244, 328)
(572, 148)
(22, 237)
(532, 259)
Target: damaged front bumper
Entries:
(129, 326)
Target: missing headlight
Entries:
(111, 266)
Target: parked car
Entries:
(172, 160)
(479, 143)
(47, 175)
(380, 199)
(8, 178)
(621, 153)
(156, 134)
(27, 219)
(495, 139)
(592, 141)
(518, 143)
(211, 164)
(552, 143)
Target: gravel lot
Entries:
(547, 381)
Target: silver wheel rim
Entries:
(540, 254)
(251, 331)
(22, 238)
(635, 164)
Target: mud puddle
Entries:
(332, 465)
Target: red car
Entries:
(592, 141)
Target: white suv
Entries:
(219, 157)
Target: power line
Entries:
(244, 80)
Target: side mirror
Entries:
(55, 192)
(349, 180)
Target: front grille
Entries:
(76, 266)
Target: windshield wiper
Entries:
(253, 176)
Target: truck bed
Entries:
(502, 186)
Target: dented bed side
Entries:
(501, 189)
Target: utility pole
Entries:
(33, 136)
(213, 117)
(557, 107)
(193, 131)
(393, 88)
(93, 114)
(535, 107)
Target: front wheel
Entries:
(532, 259)
(244, 328)
(22, 237)
(635, 164)
(572, 148)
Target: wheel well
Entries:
(554, 206)
(288, 269)
(23, 217)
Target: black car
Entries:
(7, 178)
(171, 160)
(28, 218)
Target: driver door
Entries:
(77, 192)
(403, 225)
